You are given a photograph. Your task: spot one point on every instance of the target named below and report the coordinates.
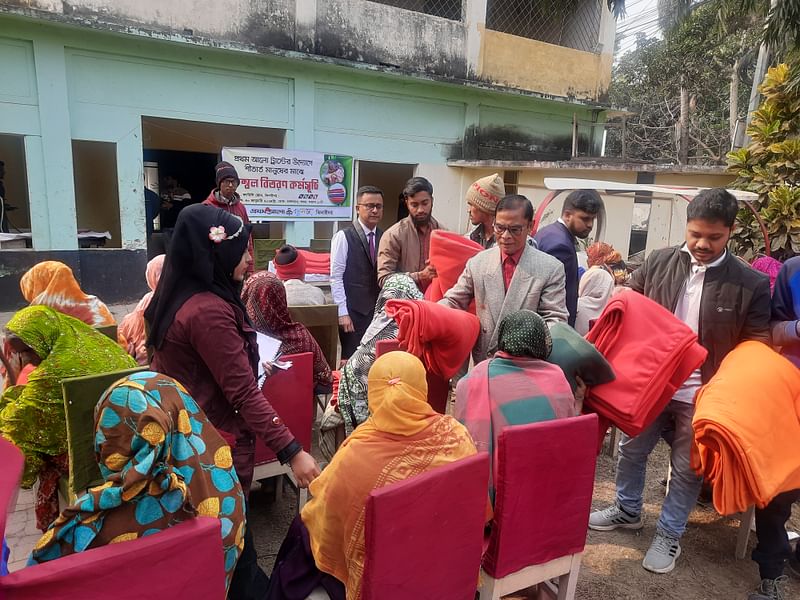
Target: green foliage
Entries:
(770, 167)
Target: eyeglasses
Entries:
(514, 230)
(371, 207)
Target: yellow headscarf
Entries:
(398, 394)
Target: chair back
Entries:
(10, 474)
(424, 535)
(438, 387)
(323, 324)
(320, 245)
(81, 395)
(264, 251)
(543, 493)
(153, 567)
(291, 394)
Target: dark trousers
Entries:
(773, 549)
(249, 582)
(350, 341)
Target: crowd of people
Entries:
(178, 440)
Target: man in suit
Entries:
(354, 273)
(509, 277)
(558, 239)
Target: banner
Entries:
(292, 185)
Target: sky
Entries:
(642, 15)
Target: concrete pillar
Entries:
(131, 189)
(49, 157)
(301, 137)
(474, 23)
(305, 19)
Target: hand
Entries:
(268, 368)
(346, 323)
(166, 204)
(579, 393)
(428, 273)
(305, 468)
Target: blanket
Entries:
(449, 253)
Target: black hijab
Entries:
(197, 263)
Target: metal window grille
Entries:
(569, 23)
(447, 9)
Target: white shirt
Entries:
(300, 293)
(339, 263)
(688, 311)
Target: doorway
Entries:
(391, 178)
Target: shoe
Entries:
(770, 589)
(612, 518)
(793, 566)
(663, 553)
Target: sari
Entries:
(52, 283)
(402, 438)
(32, 415)
(162, 462)
(132, 326)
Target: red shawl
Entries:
(449, 253)
(440, 336)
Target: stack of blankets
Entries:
(317, 263)
(449, 253)
(747, 426)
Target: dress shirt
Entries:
(339, 263)
(510, 262)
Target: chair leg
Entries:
(743, 536)
(568, 583)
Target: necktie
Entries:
(371, 236)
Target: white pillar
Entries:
(131, 189)
(305, 19)
(474, 23)
(299, 233)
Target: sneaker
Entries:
(770, 589)
(663, 553)
(612, 518)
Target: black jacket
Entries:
(735, 305)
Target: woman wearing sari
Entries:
(264, 298)
(132, 326)
(32, 415)
(402, 437)
(594, 291)
(516, 387)
(162, 462)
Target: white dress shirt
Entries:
(688, 311)
(339, 263)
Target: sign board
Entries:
(292, 185)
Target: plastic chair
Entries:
(438, 387)
(423, 536)
(323, 324)
(545, 477)
(13, 463)
(291, 394)
(81, 395)
(264, 251)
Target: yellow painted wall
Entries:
(541, 67)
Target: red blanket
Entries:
(652, 353)
(318, 263)
(449, 254)
(441, 337)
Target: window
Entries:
(511, 182)
(447, 9)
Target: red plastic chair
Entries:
(291, 394)
(424, 535)
(545, 478)
(438, 387)
(11, 472)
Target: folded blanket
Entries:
(578, 357)
(652, 353)
(440, 336)
(449, 253)
(318, 263)
(746, 428)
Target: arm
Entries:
(463, 292)
(757, 325)
(638, 278)
(388, 256)
(784, 319)
(338, 263)
(553, 299)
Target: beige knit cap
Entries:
(486, 193)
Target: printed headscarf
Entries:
(524, 333)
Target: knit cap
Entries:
(486, 193)
(225, 170)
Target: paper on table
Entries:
(268, 348)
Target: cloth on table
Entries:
(746, 424)
(449, 253)
(442, 337)
(652, 353)
(576, 356)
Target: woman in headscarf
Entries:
(162, 462)
(201, 336)
(351, 408)
(516, 387)
(51, 283)
(402, 437)
(604, 255)
(769, 266)
(32, 415)
(132, 326)
(594, 291)
(264, 298)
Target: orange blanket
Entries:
(746, 428)
(440, 336)
(449, 253)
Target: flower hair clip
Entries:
(394, 381)
(217, 234)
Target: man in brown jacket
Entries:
(405, 245)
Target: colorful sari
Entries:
(132, 326)
(163, 463)
(32, 415)
(403, 437)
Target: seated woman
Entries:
(51, 283)
(351, 407)
(132, 326)
(162, 462)
(32, 415)
(403, 436)
(265, 300)
(604, 255)
(594, 291)
(516, 387)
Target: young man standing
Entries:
(482, 199)
(405, 246)
(224, 196)
(558, 239)
(354, 271)
(725, 302)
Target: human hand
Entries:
(346, 323)
(305, 468)
(268, 368)
(428, 273)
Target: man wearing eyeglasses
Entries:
(509, 277)
(354, 272)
